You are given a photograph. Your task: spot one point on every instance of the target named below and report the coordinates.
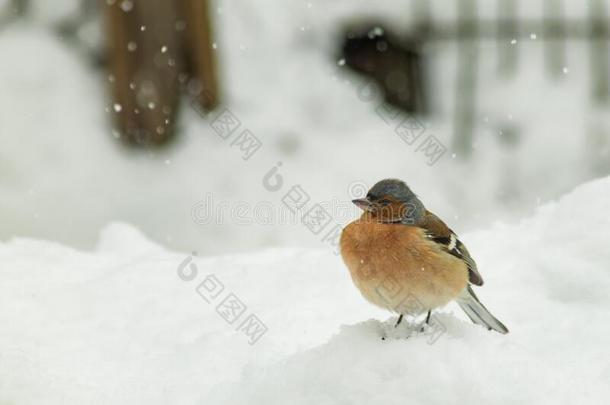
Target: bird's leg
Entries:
(399, 320)
(427, 320)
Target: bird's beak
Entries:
(363, 203)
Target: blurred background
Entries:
(203, 123)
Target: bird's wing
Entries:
(440, 233)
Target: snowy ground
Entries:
(64, 177)
(123, 324)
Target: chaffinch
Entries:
(405, 259)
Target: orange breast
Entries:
(395, 267)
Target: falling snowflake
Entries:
(127, 5)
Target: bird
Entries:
(405, 259)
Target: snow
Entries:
(118, 325)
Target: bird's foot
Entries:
(396, 330)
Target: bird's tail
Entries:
(477, 312)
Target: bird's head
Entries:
(392, 201)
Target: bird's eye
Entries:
(385, 202)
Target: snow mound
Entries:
(133, 323)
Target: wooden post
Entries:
(144, 58)
(199, 55)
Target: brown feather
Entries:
(441, 233)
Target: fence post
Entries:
(465, 97)
(200, 61)
(554, 32)
(599, 52)
(508, 53)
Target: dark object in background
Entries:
(11, 10)
(199, 61)
(75, 30)
(394, 64)
(155, 49)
